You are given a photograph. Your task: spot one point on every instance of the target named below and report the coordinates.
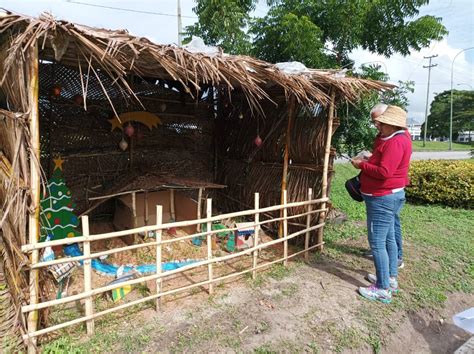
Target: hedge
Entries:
(447, 182)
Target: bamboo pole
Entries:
(159, 220)
(97, 291)
(199, 206)
(146, 211)
(284, 178)
(285, 229)
(33, 218)
(324, 190)
(172, 206)
(134, 215)
(256, 233)
(209, 244)
(308, 223)
(115, 234)
(89, 305)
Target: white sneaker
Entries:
(392, 280)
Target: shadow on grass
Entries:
(341, 271)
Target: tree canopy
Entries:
(304, 30)
(463, 113)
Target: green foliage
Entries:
(284, 36)
(439, 146)
(442, 182)
(223, 23)
(463, 113)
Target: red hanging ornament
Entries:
(258, 141)
(129, 130)
(56, 91)
(78, 99)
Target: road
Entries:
(430, 155)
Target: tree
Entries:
(440, 110)
(223, 23)
(384, 26)
(57, 218)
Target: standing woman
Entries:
(383, 179)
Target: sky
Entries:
(159, 24)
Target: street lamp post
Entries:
(451, 113)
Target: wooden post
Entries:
(33, 217)
(308, 223)
(285, 229)
(199, 206)
(324, 189)
(209, 244)
(172, 207)
(89, 304)
(146, 218)
(291, 113)
(256, 234)
(159, 221)
(134, 214)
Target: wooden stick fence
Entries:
(158, 277)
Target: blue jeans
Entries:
(381, 218)
(398, 230)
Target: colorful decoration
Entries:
(258, 141)
(56, 91)
(129, 130)
(146, 118)
(123, 145)
(56, 217)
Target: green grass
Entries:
(440, 146)
(439, 247)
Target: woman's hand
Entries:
(356, 163)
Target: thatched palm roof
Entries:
(119, 54)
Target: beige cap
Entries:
(393, 115)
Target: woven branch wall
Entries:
(181, 146)
(247, 168)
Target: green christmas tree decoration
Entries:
(57, 218)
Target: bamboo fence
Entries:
(88, 293)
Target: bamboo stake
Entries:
(256, 234)
(146, 211)
(291, 113)
(285, 229)
(324, 189)
(89, 305)
(159, 220)
(33, 217)
(134, 215)
(209, 244)
(199, 206)
(308, 222)
(172, 206)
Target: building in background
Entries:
(465, 137)
(415, 131)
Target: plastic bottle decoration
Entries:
(123, 145)
(258, 141)
(129, 130)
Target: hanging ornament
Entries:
(241, 115)
(78, 99)
(258, 141)
(129, 130)
(123, 145)
(162, 107)
(56, 91)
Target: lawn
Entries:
(440, 146)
